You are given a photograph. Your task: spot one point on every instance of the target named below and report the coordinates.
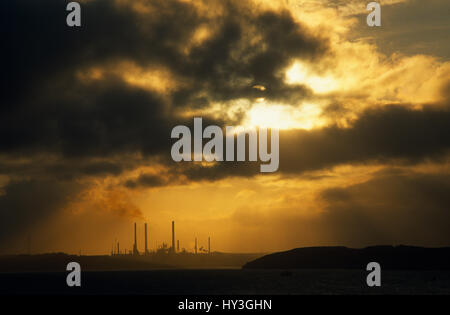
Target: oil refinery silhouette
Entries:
(162, 257)
(171, 270)
(162, 249)
(173, 256)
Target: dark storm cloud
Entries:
(46, 107)
(68, 169)
(146, 180)
(75, 170)
(412, 27)
(184, 173)
(96, 121)
(393, 207)
(231, 57)
(91, 127)
(381, 135)
(390, 134)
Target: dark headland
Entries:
(58, 261)
(389, 257)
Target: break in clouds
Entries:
(90, 106)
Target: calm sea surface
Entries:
(228, 281)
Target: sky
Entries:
(87, 114)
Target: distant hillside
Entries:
(59, 261)
(389, 257)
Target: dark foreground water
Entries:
(225, 282)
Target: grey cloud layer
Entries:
(411, 27)
(46, 109)
(391, 134)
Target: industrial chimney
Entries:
(173, 236)
(135, 250)
(196, 245)
(178, 245)
(209, 245)
(146, 248)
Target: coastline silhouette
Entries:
(389, 257)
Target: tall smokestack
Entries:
(196, 245)
(135, 250)
(173, 236)
(146, 248)
(178, 245)
(209, 245)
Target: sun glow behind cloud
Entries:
(298, 73)
(307, 116)
(352, 76)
